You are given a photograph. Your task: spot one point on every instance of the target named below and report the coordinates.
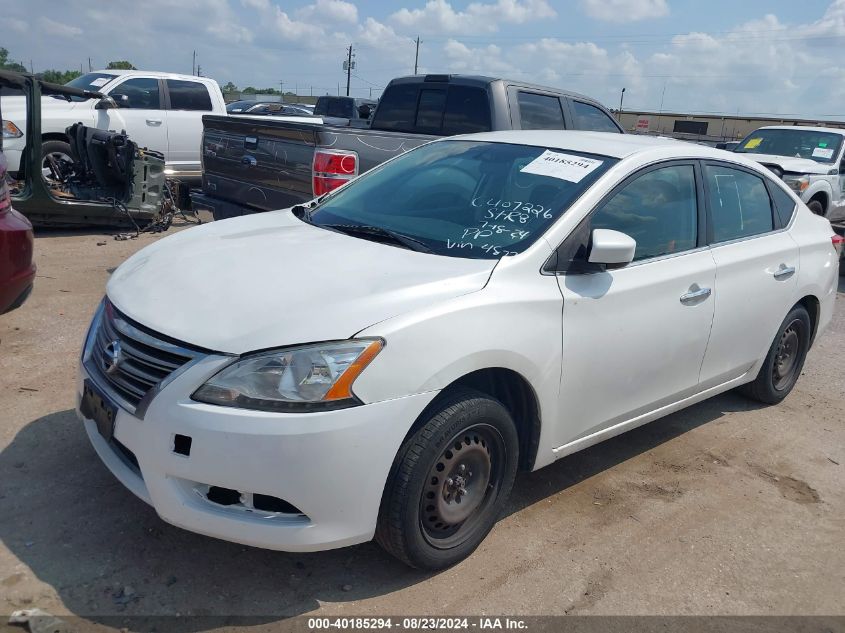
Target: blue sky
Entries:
(747, 56)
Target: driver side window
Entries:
(658, 209)
(142, 94)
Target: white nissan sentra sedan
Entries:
(382, 362)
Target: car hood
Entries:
(270, 280)
(790, 163)
(14, 106)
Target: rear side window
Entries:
(141, 93)
(589, 117)
(784, 204)
(188, 95)
(739, 203)
(539, 112)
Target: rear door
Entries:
(756, 271)
(186, 102)
(140, 112)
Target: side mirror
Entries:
(721, 146)
(106, 103)
(365, 110)
(613, 249)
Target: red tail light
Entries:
(331, 169)
(838, 243)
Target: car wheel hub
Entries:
(459, 485)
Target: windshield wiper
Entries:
(367, 231)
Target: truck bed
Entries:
(266, 163)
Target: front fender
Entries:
(818, 187)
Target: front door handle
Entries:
(153, 121)
(784, 272)
(694, 296)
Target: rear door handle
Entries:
(784, 272)
(694, 296)
(153, 121)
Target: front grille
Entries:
(129, 360)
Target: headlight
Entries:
(10, 130)
(798, 184)
(315, 377)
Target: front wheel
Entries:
(785, 360)
(449, 482)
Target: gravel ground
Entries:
(725, 508)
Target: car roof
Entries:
(604, 143)
(151, 73)
(809, 128)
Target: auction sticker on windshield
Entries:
(752, 143)
(563, 166)
(823, 152)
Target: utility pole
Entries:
(348, 68)
(621, 97)
(194, 65)
(417, 56)
(31, 71)
(281, 91)
(199, 70)
(90, 67)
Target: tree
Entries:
(249, 90)
(230, 87)
(5, 64)
(59, 76)
(120, 65)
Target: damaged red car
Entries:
(17, 270)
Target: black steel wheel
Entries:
(449, 481)
(785, 360)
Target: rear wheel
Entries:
(816, 207)
(449, 482)
(785, 360)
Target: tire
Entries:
(56, 148)
(785, 360)
(468, 443)
(816, 207)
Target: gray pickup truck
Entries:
(252, 164)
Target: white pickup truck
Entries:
(159, 111)
(811, 160)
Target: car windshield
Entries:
(89, 81)
(822, 147)
(462, 198)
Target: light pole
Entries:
(621, 98)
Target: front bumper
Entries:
(330, 465)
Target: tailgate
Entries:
(266, 165)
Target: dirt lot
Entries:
(725, 508)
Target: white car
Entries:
(384, 362)
(159, 111)
(811, 160)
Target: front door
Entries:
(634, 338)
(140, 112)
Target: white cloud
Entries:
(626, 10)
(260, 5)
(51, 27)
(374, 34)
(17, 25)
(438, 16)
(329, 11)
